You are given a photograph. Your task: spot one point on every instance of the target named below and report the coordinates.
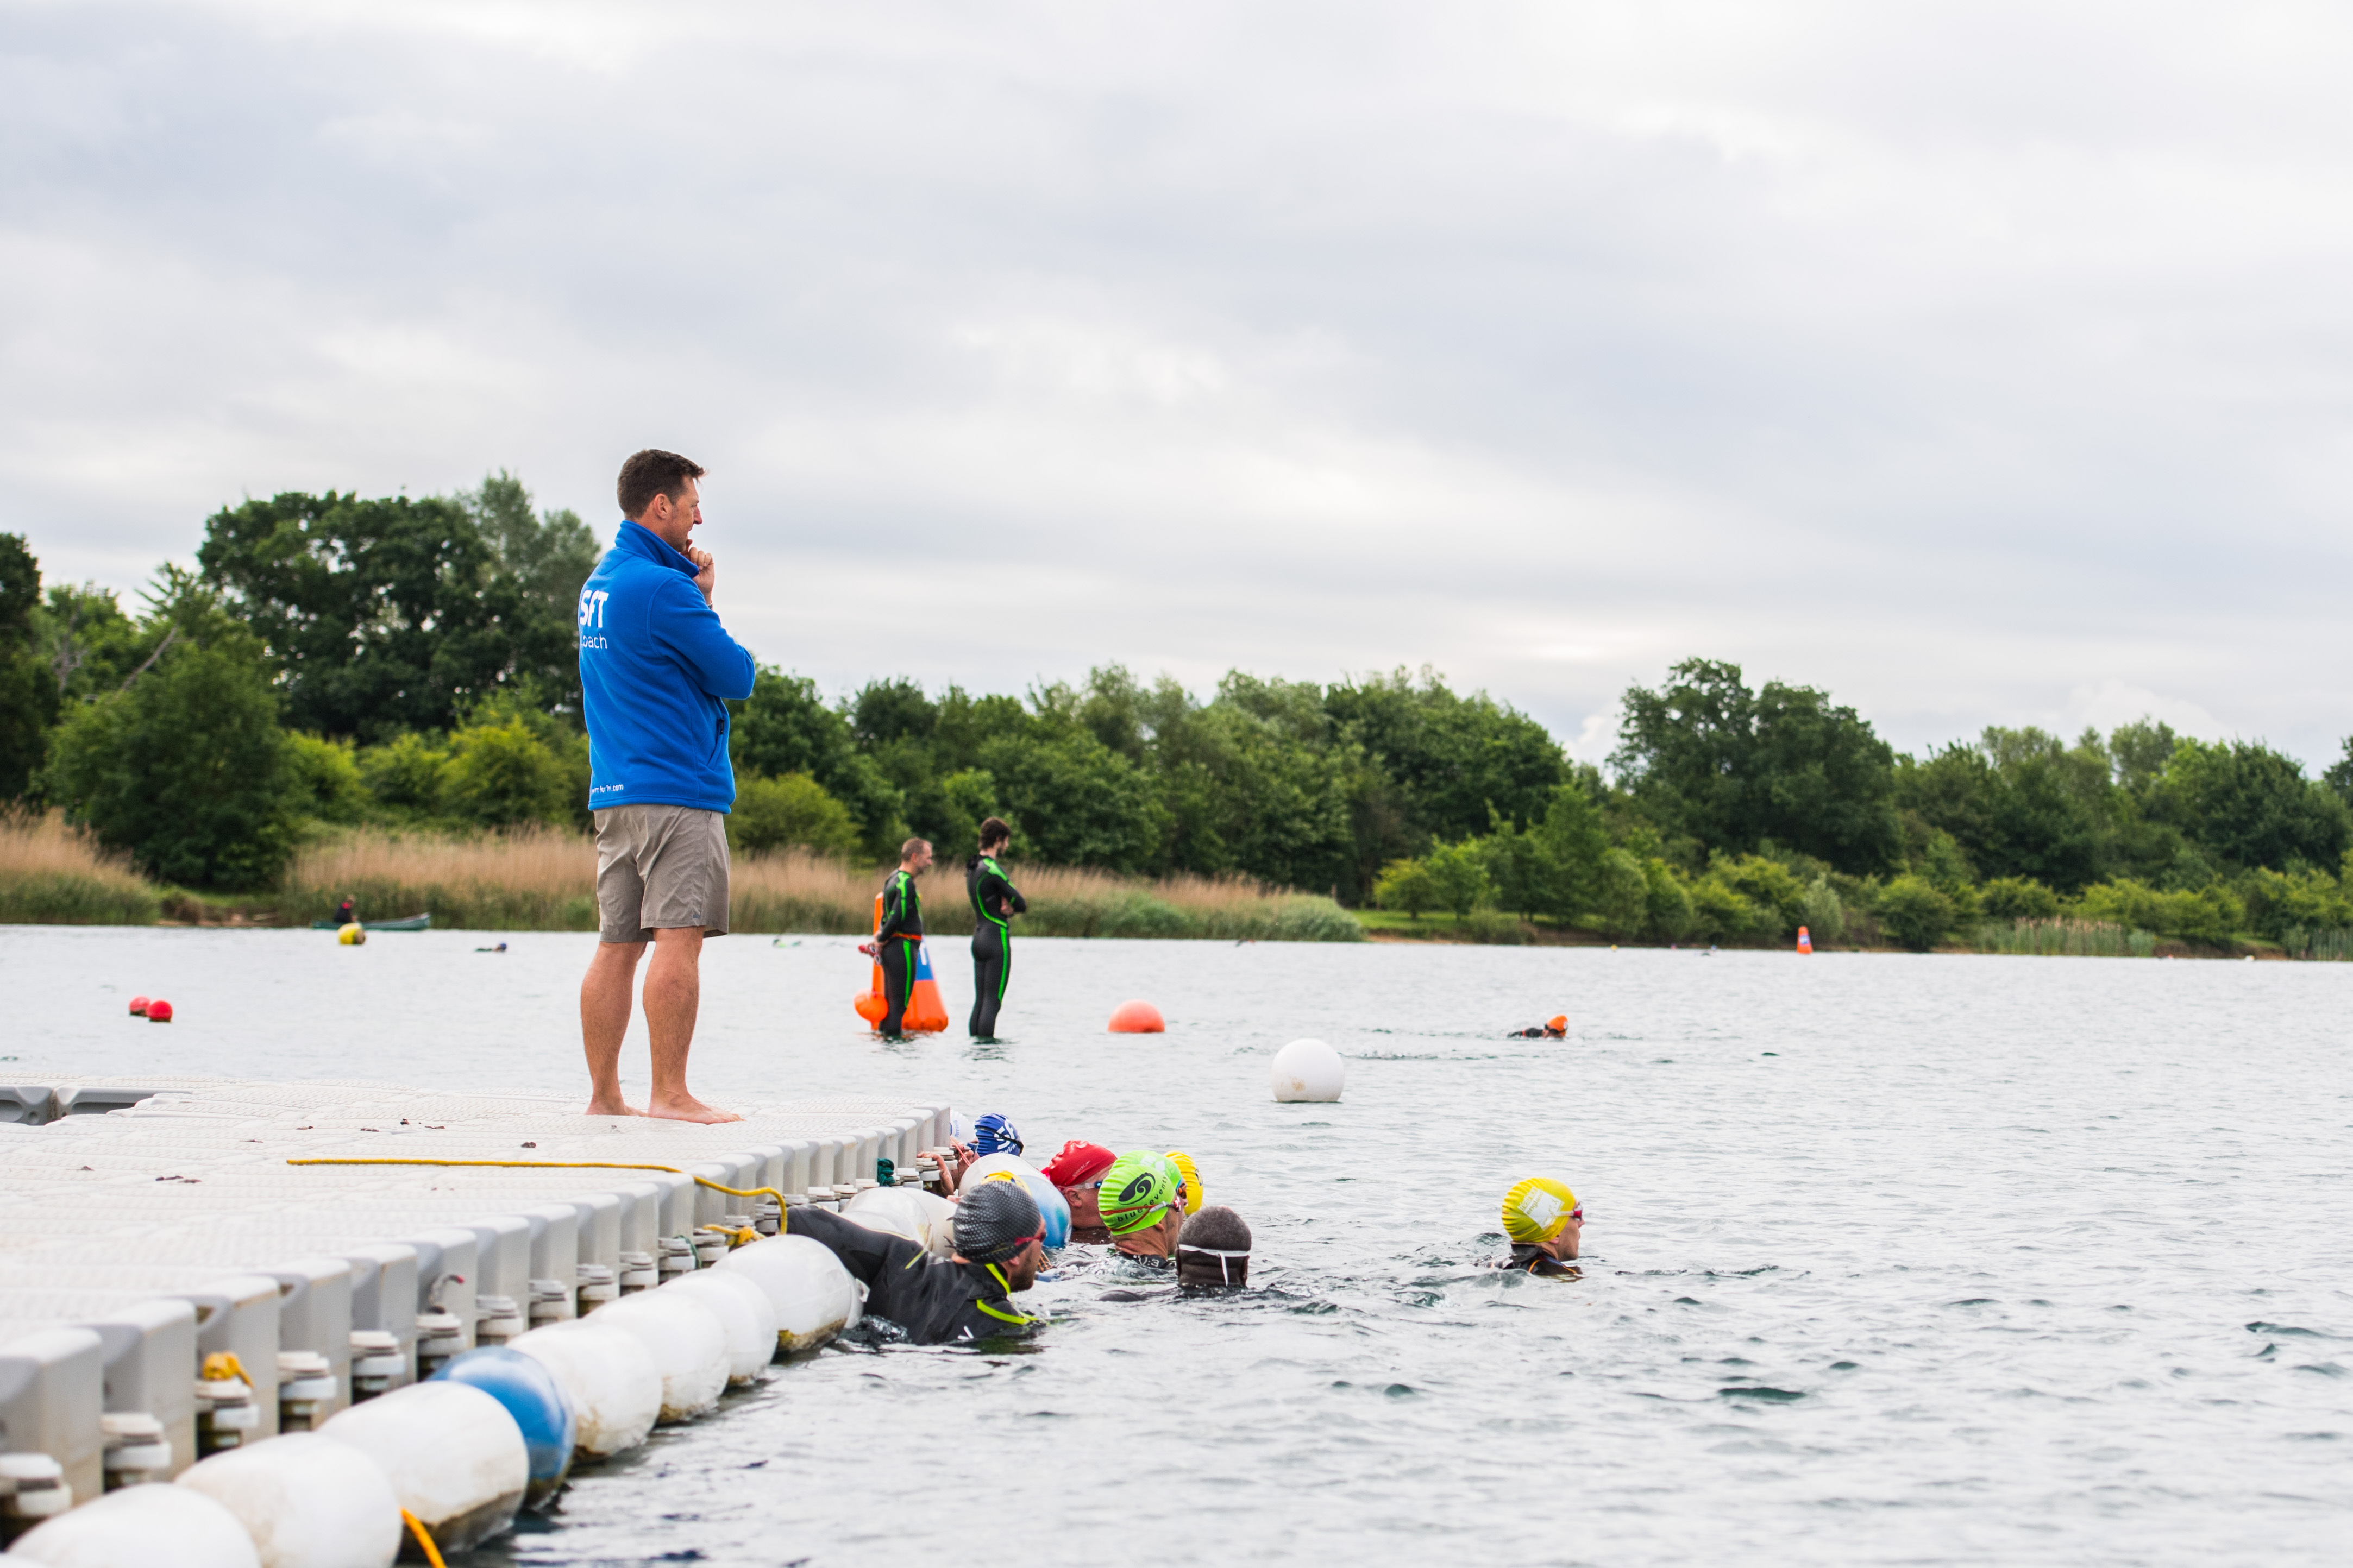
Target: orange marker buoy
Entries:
(1137, 1018)
(139, 1006)
(159, 1011)
(1805, 941)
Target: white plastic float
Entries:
(307, 1501)
(1308, 1071)
(453, 1454)
(744, 1310)
(813, 1296)
(687, 1341)
(922, 1218)
(610, 1379)
(140, 1527)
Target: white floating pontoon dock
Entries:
(152, 1229)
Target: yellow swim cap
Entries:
(1536, 1209)
(1192, 1174)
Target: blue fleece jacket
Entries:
(655, 664)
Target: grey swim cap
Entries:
(1214, 1248)
(995, 1220)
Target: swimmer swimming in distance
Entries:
(1544, 1222)
(1553, 1028)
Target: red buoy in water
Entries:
(1137, 1018)
(139, 1006)
(159, 1011)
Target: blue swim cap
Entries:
(992, 1134)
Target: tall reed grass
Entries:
(2329, 943)
(52, 874)
(2064, 939)
(539, 879)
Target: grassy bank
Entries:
(52, 875)
(545, 880)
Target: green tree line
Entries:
(335, 659)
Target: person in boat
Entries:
(899, 936)
(344, 915)
(993, 902)
(1000, 1245)
(1143, 1206)
(1553, 1028)
(1544, 1222)
(1077, 1174)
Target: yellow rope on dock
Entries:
(563, 1165)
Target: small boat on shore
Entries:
(414, 922)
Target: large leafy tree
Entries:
(1710, 760)
(784, 727)
(2251, 806)
(1446, 759)
(28, 687)
(379, 615)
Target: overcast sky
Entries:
(1983, 362)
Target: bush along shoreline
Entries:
(338, 672)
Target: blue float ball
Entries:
(1055, 1207)
(531, 1396)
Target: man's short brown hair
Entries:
(654, 472)
(907, 850)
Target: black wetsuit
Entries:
(936, 1301)
(992, 940)
(895, 942)
(1536, 1262)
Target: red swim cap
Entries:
(1077, 1163)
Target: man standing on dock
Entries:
(656, 668)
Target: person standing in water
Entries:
(899, 936)
(992, 900)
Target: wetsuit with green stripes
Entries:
(992, 940)
(895, 942)
(936, 1300)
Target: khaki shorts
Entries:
(659, 868)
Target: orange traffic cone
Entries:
(1805, 941)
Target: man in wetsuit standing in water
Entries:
(993, 899)
(899, 935)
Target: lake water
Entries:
(1889, 1259)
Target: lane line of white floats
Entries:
(320, 1325)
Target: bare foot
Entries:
(619, 1107)
(686, 1107)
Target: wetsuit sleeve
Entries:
(869, 1256)
(687, 629)
(894, 906)
(995, 893)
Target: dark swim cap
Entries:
(1214, 1248)
(995, 1220)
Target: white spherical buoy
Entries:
(813, 1295)
(744, 1310)
(455, 1457)
(1308, 1071)
(687, 1341)
(307, 1501)
(611, 1380)
(920, 1216)
(140, 1527)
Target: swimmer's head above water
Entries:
(1213, 1251)
(1543, 1221)
(997, 1222)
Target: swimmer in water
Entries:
(1143, 1206)
(1213, 1253)
(1543, 1221)
(1077, 1174)
(1553, 1028)
(992, 1134)
(1000, 1245)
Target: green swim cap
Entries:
(1137, 1191)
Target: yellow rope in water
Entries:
(563, 1165)
(424, 1539)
